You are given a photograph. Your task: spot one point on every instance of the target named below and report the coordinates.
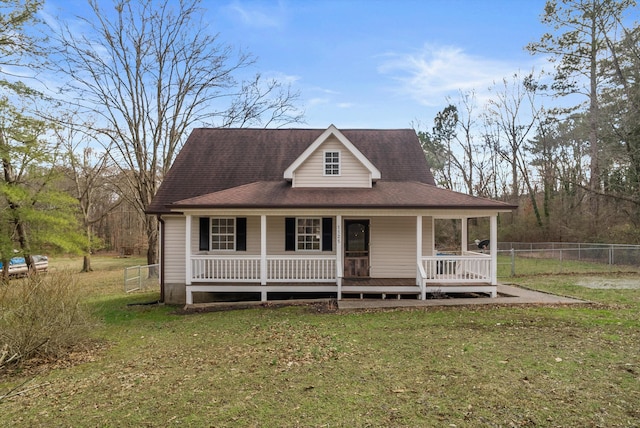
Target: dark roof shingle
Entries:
(215, 159)
(384, 194)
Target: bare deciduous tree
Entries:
(149, 73)
(88, 170)
(513, 114)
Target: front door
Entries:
(356, 248)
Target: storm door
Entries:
(356, 248)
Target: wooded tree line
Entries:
(573, 168)
(92, 119)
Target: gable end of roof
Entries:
(332, 130)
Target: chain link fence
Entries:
(142, 278)
(520, 258)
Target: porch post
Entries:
(419, 256)
(464, 245)
(339, 258)
(419, 239)
(263, 255)
(493, 249)
(187, 251)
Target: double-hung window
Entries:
(223, 234)
(308, 234)
(332, 163)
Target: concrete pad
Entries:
(507, 294)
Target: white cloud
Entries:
(258, 15)
(312, 102)
(327, 98)
(435, 72)
(288, 79)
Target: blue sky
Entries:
(383, 64)
(376, 64)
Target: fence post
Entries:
(513, 262)
(125, 280)
(561, 260)
(139, 277)
(610, 255)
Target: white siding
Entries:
(352, 172)
(174, 248)
(275, 236)
(253, 236)
(393, 247)
(427, 236)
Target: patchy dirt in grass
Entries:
(315, 306)
(84, 353)
(610, 283)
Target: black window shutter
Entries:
(327, 234)
(289, 234)
(205, 234)
(241, 234)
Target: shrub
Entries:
(41, 316)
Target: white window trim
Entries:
(324, 163)
(319, 235)
(235, 231)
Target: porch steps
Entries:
(380, 286)
(373, 289)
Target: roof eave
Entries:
(180, 207)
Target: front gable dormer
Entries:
(332, 161)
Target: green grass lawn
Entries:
(273, 366)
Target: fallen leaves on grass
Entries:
(287, 346)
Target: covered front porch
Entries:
(396, 256)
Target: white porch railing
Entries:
(207, 268)
(470, 268)
(216, 268)
(301, 269)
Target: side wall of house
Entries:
(352, 172)
(174, 251)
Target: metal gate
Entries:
(141, 278)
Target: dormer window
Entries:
(332, 163)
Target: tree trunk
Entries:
(594, 179)
(5, 269)
(86, 263)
